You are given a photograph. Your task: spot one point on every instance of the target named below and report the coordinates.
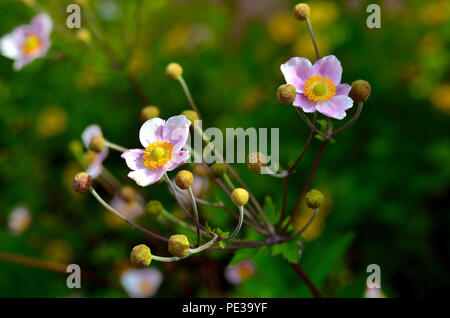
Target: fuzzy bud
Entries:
(302, 11)
(154, 208)
(82, 182)
(83, 35)
(97, 144)
(218, 170)
(128, 193)
(174, 71)
(184, 179)
(149, 112)
(239, 197)
(255, 161)
(141, 255)
(360, 91)
(314, 199)
(286, 94)
(191, 115)
(179, 245)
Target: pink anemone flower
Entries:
(95, 160)
(163, 142)
(27, 42)
(318, 86)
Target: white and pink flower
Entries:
(141, 283)
(318, 86)
(94, 160)
(163, 142)
(27, 42)
(19, 220)
(239, 273)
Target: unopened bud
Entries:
(184, 179)
(191, 115)
(256, 161)
(141, 255)
(360, 91)
(28, 3)
(286, 94)
(154, 208)
(302, 11)
(174, 71)
(179, 245)
(314, 199)
(97, 144)
(82, 182)
(149, 112)
(218, 170)
(239, 197)
(83, 35)
(128, 193)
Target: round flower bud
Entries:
(191, 115)
(239, 197)
(286, 94)
(154, 208)
(141, 255)
(179, 245)
(83, 35)
(174, 71)
(97, 144)
(28, 3)
(128, 193)
(82, 182)
(218, 170)
(255, 161)
(301, 11)
(314, 199)
(184, 179)
(149, 112)
(360, 91)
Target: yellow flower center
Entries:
(32, 45)
(157, 154)
(319, 89)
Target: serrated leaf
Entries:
(288, 250)
(244, 254)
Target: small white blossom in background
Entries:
(19, 220)
(374, 293)
(141, 283)
(239, 273)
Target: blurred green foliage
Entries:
(386, 179)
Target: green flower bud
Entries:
(154, 208)
(191, 115)
(83, 35)
(128, 193)
(174, 71)
(97, 144)
(179, 245)
(218, 170)
(360, 91)
(184, 179)
(239, 197)
(141, 255)
(286, 94)
(82, 182)
(314, 199)
(255, 161)
(302, 11)
(149, 112)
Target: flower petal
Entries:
(42, 25)
(343, 89)
(307, 105)
(335, 107)
(151, 131)
(134, 158)
(176, 131)
(177, 160)
(296, 71)
(145, 177)
(89, 133)
(9, 46)
(329, 66)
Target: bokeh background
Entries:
(386, 179)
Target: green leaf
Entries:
(270, 210)
(288, 250)
(244, 254)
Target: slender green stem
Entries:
(110, 208)
(351, 121)
(238, 227)
(176, 220)
(194, 207)
(188, 94)
(227, 180)
(311, 125)
(191, 252)
(304, 228)
(311, 33)
(115, 146)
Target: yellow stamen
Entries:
(319, 89)
(32, 45)
(157, 154)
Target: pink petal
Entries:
(151, 131)
(177, 160)
(335, 107)
(10, 47)
(176, 131)
(95, 168)
(145, 177)
(296, 71)
(134, 158)
(308, 106)
(343, 89)
(89, 133)
(42, 25)
(329, 66)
